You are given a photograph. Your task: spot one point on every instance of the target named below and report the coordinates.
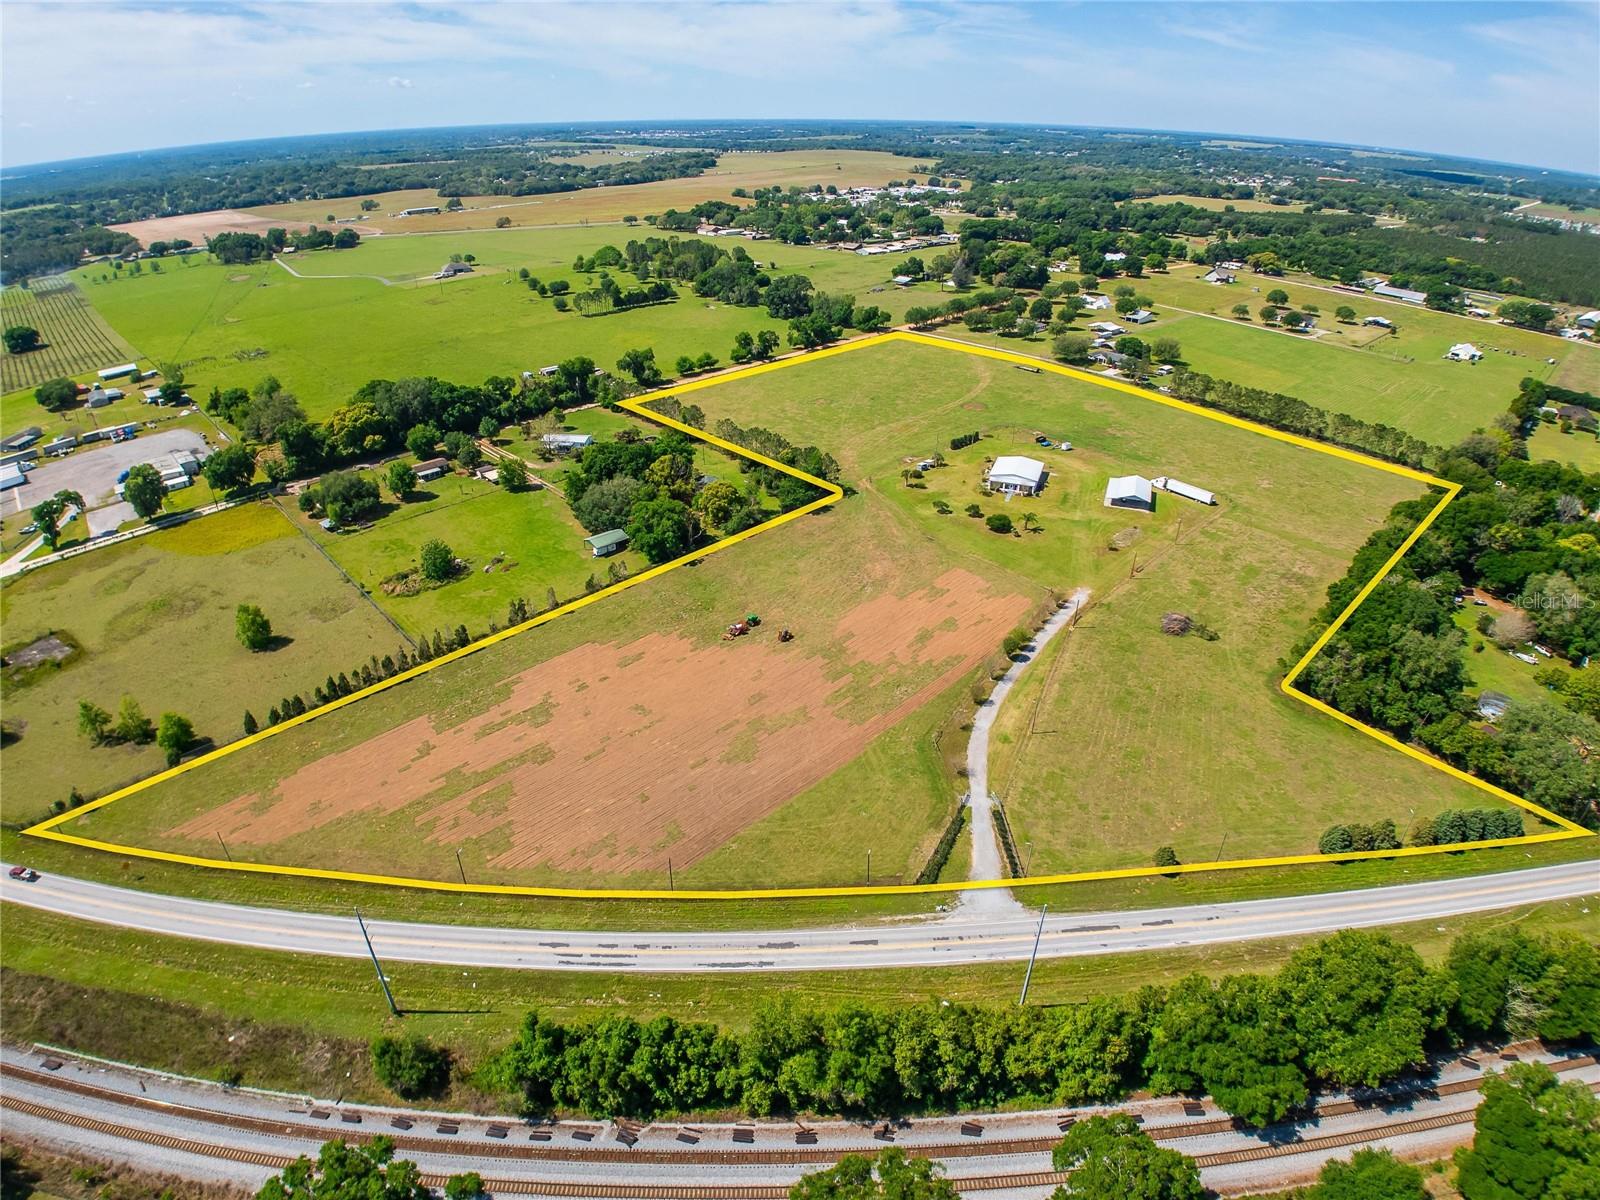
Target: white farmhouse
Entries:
(1015, 475)
(1464, 352)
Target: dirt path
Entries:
(985, 847)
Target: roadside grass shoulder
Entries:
(298, 1023)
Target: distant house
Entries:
(99, 397)
(1141, 316)
(566, 443)
(1218, 275)
(1130, 491)
(1389, 292)
(431, 468)
(61, 444)
(1187, 490)
(1094, 303)
(451, 269)
(1114, 256)
(1383, 321)
(1588, 320)
(1107, 327)
(603, 544)
(1576, 335)
(1015, 475)
(1577, 415)
(1478, 312)
(118, 372)
(903, 281)
(423, 211)
(1463, 352)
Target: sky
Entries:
(1513, 82)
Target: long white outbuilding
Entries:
(1187, 490)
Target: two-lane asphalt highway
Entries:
(959, 938)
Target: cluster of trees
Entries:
(48, 513)
(417, 413)
(374, 670)
(1518, 530)
(50, 238)
(606, 296)
(343, 497)
(790, 492)
(800, 216)
(1353, 1010)
(367, 1171)
(173, 733)
(1296, 416)
(962, 441)
(1449, 828)
(651, 489)
(19, 339)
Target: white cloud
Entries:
(396, 81)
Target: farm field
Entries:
(1402, 380)
(1141, 706)
(532, 532)
(154, 618)
(1219, 203)
(232, 325)
(569, 754)
(815, 777)
(76, 340)
(748, 169)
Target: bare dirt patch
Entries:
(617, 757)
(197, 227)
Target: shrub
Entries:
(410, 1067)
(1166, 856)
(972, 510)
(998, 523)
(253, 628)
(1015, 641)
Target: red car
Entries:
(26, 874)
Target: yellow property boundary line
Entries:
(831, 494)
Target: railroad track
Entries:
(476, 1150)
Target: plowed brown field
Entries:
(615, 757)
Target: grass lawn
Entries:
(325, 337)
(1492, 669)
(746, 169)
(1220, 203)
(155, 620)
(1580, 449)
(540, 546)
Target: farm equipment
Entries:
(740, 628)
(785, 636)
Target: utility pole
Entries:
(459, 867)
(869, 867)
(378, 967)
(224, 846)
(671, 885)
(1028, 978)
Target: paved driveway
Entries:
(93, 471)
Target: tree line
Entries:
(1354, 1010)
(1518, 530)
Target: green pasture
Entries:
(155, 620)
(1136, 722)
(325, 337)
(1401, 379)
(532, 533)
(1491, 668)
(1580, 449)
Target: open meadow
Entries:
(1400, 379)
(153, 618)
(796, 758)
(338, 324)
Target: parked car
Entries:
(26, 874)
